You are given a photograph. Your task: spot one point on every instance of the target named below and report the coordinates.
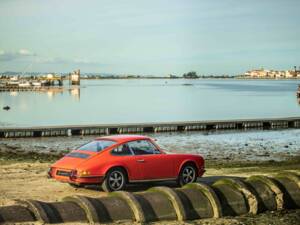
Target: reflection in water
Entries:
(53, 91)
(50, 94)
(13, 93)
(75, 92)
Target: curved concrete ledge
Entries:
(211, 196)
(250, 196)
(232, 199)
(156, 206)
(290, 184)
(174, 198)
(56, 212)
(112, 208)
(292, 176)
(132, 203)
(87, 206)
(226, 197)
(15, 214)
(272, 185)
(40, 212)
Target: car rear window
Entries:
(96, 146)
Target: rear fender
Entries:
(108, 167)
(187, 161)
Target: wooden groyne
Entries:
(106, 129)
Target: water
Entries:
(145, 100)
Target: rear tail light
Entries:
(73, 174)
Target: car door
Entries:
(124, 156)
(153, 165)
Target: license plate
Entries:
(63, 173)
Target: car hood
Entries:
(73, 159)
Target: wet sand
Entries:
(248, 145)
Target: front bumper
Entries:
(201, 171)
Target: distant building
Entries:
(262, 73)
(74, 77)
(50, 76)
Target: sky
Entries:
(156, 37)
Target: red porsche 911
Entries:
(114, 161)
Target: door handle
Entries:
(140, 160)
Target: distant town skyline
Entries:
(149, 37)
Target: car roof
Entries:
(124, 138)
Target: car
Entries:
(114, 161)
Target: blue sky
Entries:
(155, 37)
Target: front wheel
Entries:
(187, 175)
(115, 180)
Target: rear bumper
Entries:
(80, 180)
(66, 178)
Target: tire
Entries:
(188, 174)
(115, 180)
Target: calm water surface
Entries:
(143, 100)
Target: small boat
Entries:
(298, 92)
(13, 83)
(6, 108)
(36, 84)
(24, 84)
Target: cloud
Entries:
(58, 60)
(26, 56)
(21, 54)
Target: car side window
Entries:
(143, 147)
(96, 145)
(121, 150)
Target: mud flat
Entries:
(243, 146)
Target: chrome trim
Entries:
(140, 160)
(150, 180)
(95, 176)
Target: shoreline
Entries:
(246, 146)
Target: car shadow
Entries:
(139, 187)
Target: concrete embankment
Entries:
(225, 197)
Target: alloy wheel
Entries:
(116, 180)
(188, 174)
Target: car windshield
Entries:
(96, 146)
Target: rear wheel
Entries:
(115, 180)
(187, 175)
